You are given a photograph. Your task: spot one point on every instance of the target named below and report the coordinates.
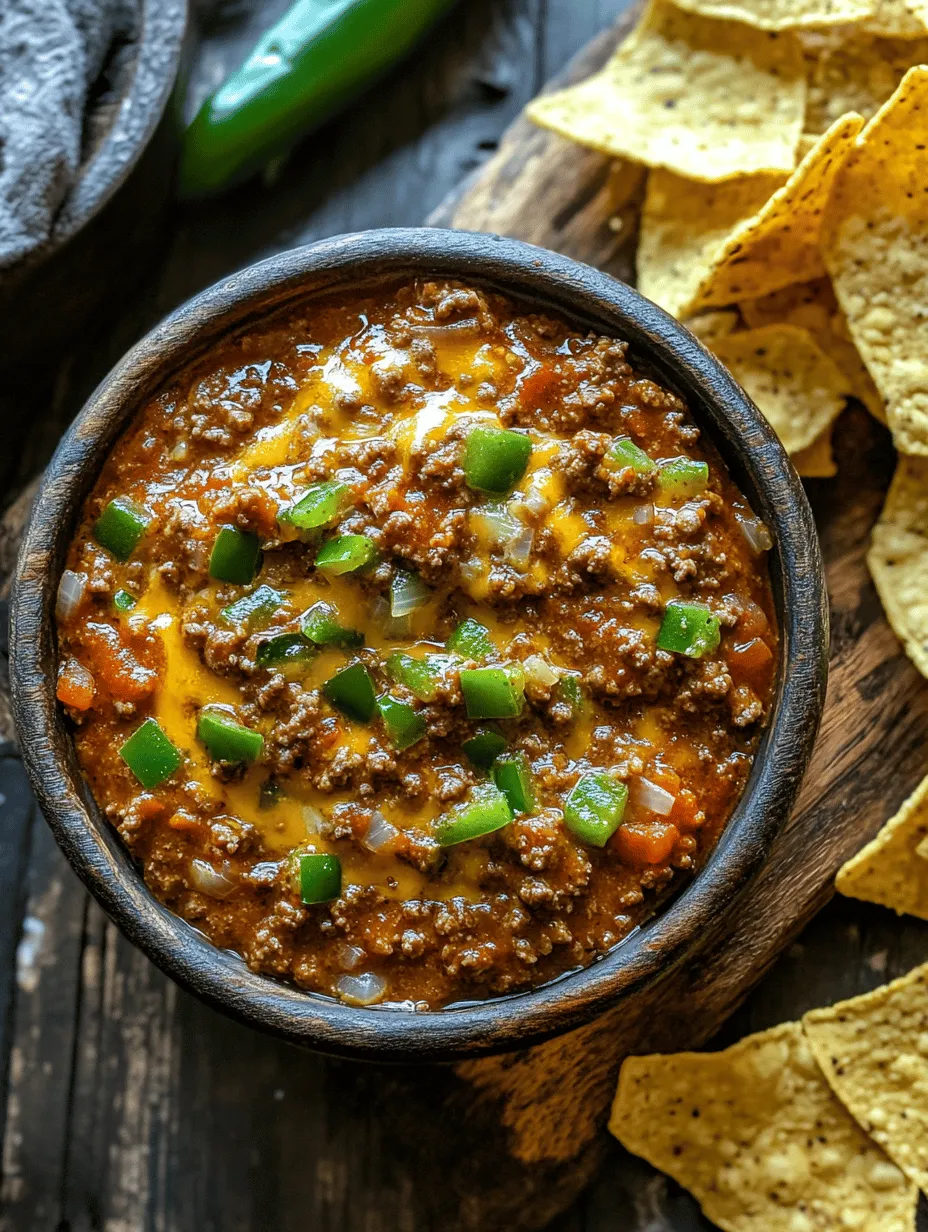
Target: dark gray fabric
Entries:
(51, 52)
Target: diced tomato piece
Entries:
(664, 777)
(686, 814)
(116, 666)
(184, 822)
(748, 658)
(148, 808)
(75, 685)
(533, 391)
(649, 843)
(752, 622)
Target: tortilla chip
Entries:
(873, 1050)
(904, 19)
(818, 460)
(898, 558)
(855, 73)
(875, 240)
(703, 246)
(783, 14)
(707, 99)
(758, 1138)
(797, 387)
(813, 306)
(891, 870)
(709, 326)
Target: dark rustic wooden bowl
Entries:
(757, 463)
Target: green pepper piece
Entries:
(595, 807)
(486, 810)
(320, 878)
(513, 776)
(284, 650)
(491, 693)
(572, 692)
(319, 506)
(495, 459)
(484, 747)
(227, 740)
(120, 527)
(235, 556)
(625, 452)
(683, 477)
(150, 755)
(352, 692)
(346, 554)
(123, 601)
(688, 629)
(314, 59)
(418, 675)
(322, 626)
(405, 726)
(471, 640)
(254, 610)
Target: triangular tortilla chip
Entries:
(903, 19)
(794, 383)
(898, 558)
(875, 240)
(817, 461)
(706, 245)
(855, 72)
(874, 1052)
(707, 99)
(892, 869)
(783, 14)
(758, 1138)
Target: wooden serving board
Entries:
(504, 1143)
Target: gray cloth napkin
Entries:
(51, 53)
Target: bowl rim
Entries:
(758, 465)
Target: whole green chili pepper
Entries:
(309, 64)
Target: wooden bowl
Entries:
(758, 464)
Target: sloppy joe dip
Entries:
(416, 644)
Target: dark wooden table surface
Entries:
(124, 1104)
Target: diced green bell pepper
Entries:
(491, 693)
(420, 676)
(352, 692)
(320, 878)
(319, 506)
(123, 601)
(226, 740)
(682, 477)
(484, 747)
(486, 810)
(346, 554)
(624, 452)
(255, 610)
(471, 640)
(572, 692)
(513, 776)
(322, 626)
(688, 629)
(150, 755)
(120, 527)
(594, 809)
(495, 459)
(235, 556)
(405, 726)
(284, 651)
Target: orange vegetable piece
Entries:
(75, 685)
(685, 813)
(648, 843)
(747, 658)
(116, 666)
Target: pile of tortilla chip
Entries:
(812, 1126)
(785, 217)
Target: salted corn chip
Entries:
(892, 869)
(856, 72)
(813, 306)
(718, 323)
(758, 1138)
(903, 19)
(794, 383)
(875, 240)
(898, 558)
(783, 14)
(873, 1050)
(817, 461)
(704, 245)
(710, 100)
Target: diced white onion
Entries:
(643, 515)
(71, 590)
(349, 956)
(395, 628)
(408, 593)
(519, 549)
(210, 881)
(363, 989)
(536, 501)
(650, 796)
(756, 533)
(496, 524)
(539, 671)
(379, 832)
(313, 820)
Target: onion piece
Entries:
(313, 820)
(365, 989)
(349, 956)
(395, 628)
(756, 532)
(210, 881)
(643, 515)
(496, 524)
(379, 832)
(539, 671)
(518, 550)
(650, 796)
(408, 593)
(71, 591)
